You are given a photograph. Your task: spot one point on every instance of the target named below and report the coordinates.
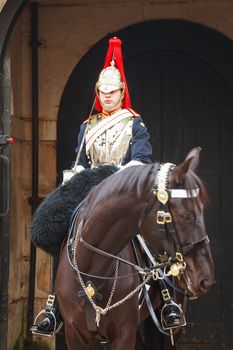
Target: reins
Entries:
(118, 258)
(145, 212)
(72, 244)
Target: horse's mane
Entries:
(135, 179)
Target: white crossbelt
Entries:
(105, 124)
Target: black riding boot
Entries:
(50, 324)
(172, 315)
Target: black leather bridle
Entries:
(167, 231)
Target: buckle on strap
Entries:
(163, 217)
(50, 301)
(165, 294)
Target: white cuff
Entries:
(69, 173)
(78, 169)
(132, 162)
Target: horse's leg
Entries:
(140, 341)
(153, 338)
(125, 339)
(75, 340)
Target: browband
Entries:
(182, 193)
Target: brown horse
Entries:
(111, 215)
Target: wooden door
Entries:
(186, 103)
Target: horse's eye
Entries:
(188, 217)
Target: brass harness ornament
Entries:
(162, 194)
(90, 290)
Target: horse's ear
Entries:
(190, 163)
(194, 154)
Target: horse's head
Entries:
(179, 232)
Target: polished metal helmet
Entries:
(110, 80)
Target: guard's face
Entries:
(111, 101)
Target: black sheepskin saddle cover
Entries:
(50, 222)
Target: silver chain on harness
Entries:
(154, 274)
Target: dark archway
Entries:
(181, 80)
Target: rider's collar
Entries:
(105, 114)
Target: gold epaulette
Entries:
(91, 117)
(134, 112)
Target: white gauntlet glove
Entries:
(69, 173)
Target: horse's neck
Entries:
(109, 228)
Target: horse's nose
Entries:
(205, 284)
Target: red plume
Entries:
(114, 53)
